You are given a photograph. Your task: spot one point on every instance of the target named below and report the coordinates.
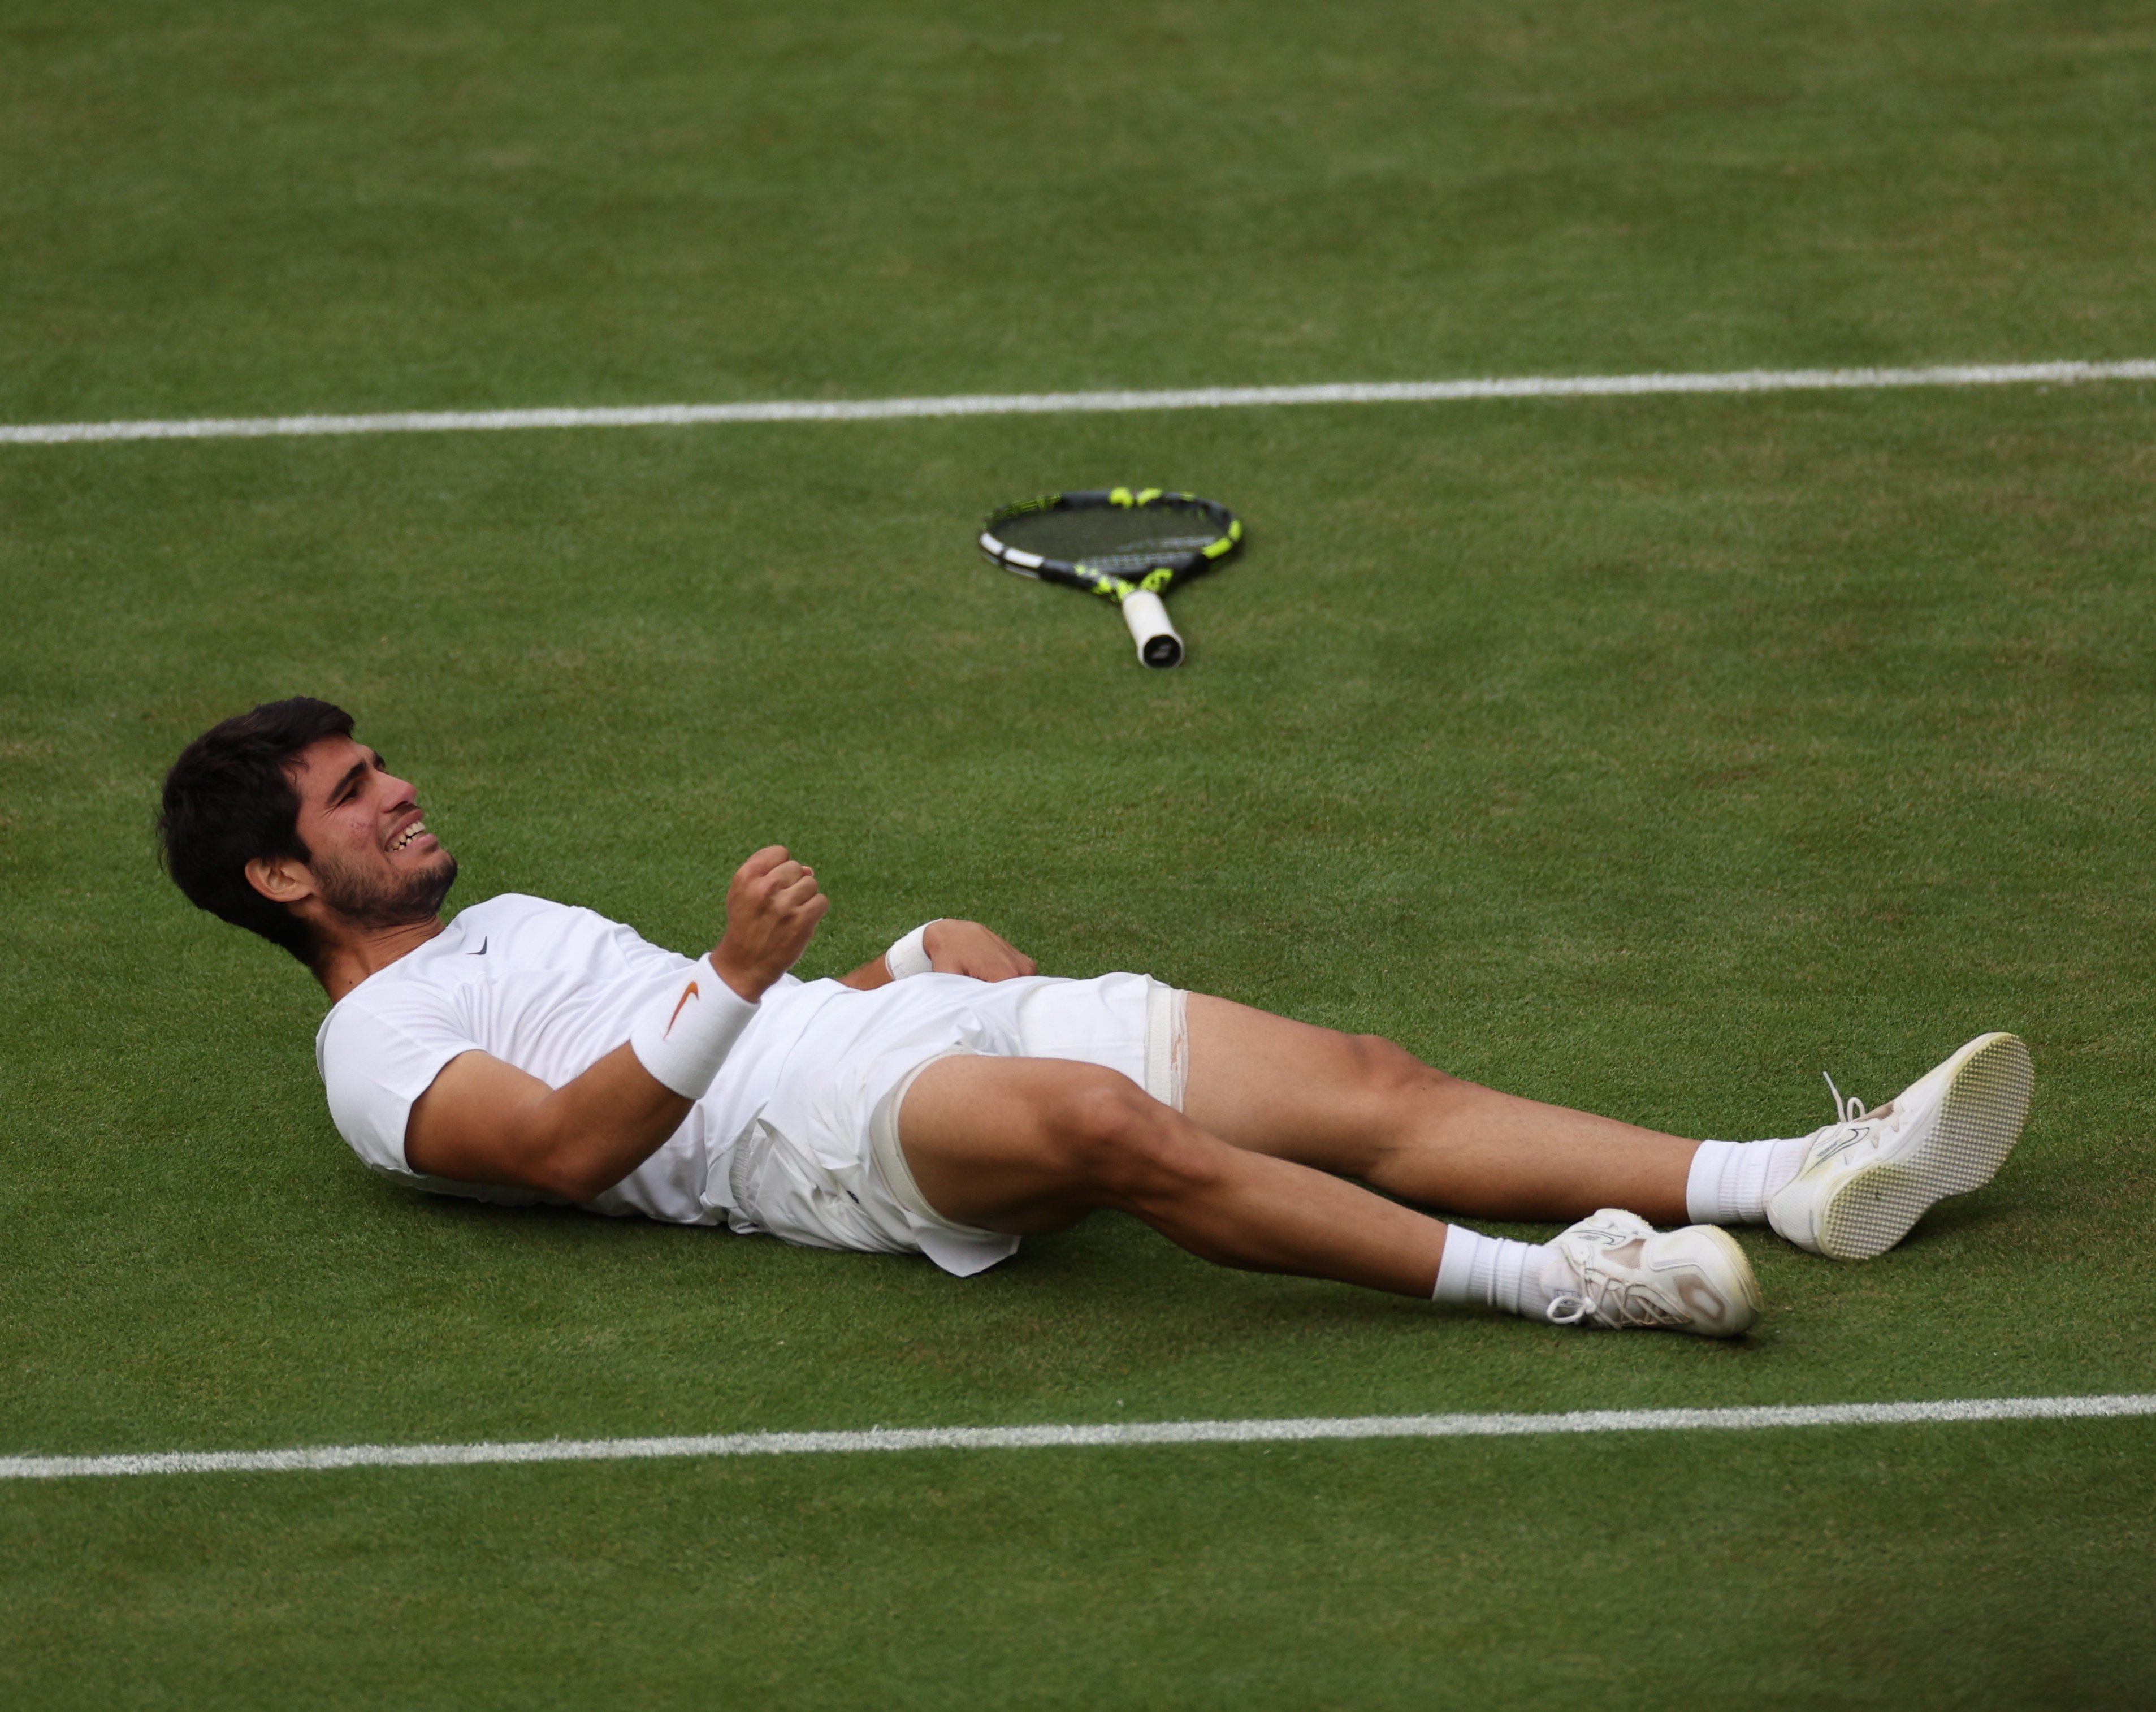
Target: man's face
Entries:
(371, 857)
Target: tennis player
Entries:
(948, 1100)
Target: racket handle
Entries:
(1147, 615)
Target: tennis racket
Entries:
(1130, 548)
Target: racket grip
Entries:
(1147, 615)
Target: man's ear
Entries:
(280, 879)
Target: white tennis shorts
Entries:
(821, 1164)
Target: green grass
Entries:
(1646, 755)
(297, 207)
(1900, 1569)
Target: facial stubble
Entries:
(397, 902)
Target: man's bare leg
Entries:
(1030, 1144)
(1363, 1106)
(1025, 1145)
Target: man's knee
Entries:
(1115, 1138)
(1392, 1081)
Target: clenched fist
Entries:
(772, 906)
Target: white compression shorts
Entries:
(822, 1166)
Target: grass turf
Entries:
(1644, 755)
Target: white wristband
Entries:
(683, 1039)
(910, 956)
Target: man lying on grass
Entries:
(946, 1100)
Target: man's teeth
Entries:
(410, 833)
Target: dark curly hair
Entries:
(229, 800)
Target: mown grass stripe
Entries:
(308, 1458)
(1751, 380)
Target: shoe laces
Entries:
(1609, 1301)
(1850, 1110)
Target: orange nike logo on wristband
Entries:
(688, 993)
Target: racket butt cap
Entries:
(1147, 615)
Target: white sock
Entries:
(1492, 1272)
(1732, 1181)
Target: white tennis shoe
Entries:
(1869, 1176)
(1615, 1269)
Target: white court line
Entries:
(305, 1458)
(1750, 380)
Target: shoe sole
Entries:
(1980, 1119)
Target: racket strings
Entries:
(1143, 555)
(1108, 540)
(1112, 542)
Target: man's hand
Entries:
(968, 949)
(772, 906)
(954, 948)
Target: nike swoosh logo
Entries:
(481, 951)
(688, 993)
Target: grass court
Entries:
(1647, 754)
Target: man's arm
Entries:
(956, 949)
(483, 1121)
